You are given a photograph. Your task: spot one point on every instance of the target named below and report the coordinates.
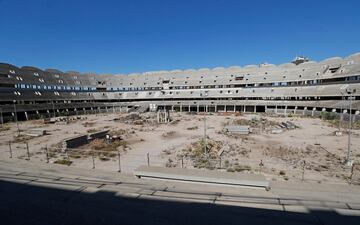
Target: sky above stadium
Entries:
(128, 36)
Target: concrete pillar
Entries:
(355, 115)
(234, 108)
(254, 108)
(313, 111)
(180, 108)
(295, 109)
(206, 108)
(197, 108)
(225, 108)
(26, 116)
(244, 108)
(172, 108)
(265, 108)
(215, 108)
(189, 108)
(106, 109)
(304, 111)
(275, 109)
(285, 110)
(1, 118)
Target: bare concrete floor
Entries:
(33, 193)
(282, 154)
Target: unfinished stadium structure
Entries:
(299, 87)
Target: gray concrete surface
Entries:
(203, 176)
(32, 193)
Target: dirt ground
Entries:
(311, 151)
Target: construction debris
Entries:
(36, 132)
(242, 130)
(281, 127)
(163, 116)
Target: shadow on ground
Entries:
(27, 204)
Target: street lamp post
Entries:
(348, 157)
(205, 136)
(341, 111)
(350, 92)
(16, 119)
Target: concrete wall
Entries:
(100, 134)
(75, 142)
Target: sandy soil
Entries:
(282, 155)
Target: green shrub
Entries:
(327, 116)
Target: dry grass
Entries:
(63, 162)
(104, 146)
(4, 128)
(22, 138)
(343, 124)
(88, 124)
(169, 134)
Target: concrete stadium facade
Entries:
(302, 86)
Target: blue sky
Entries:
(127, 36)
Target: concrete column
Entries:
(234, 108)
(215, 108)
(106, 109)
(275, 109)
(254, 108)
(189, 108)
(295, 109)
(313, 111)
(197, 108)
(225, 108)
(172, 108)
(26, 116)
(265, 108)
(206, 108)
(285, 110)
(304, 111)
(180, 108)
(356, 113)
(244, 108)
